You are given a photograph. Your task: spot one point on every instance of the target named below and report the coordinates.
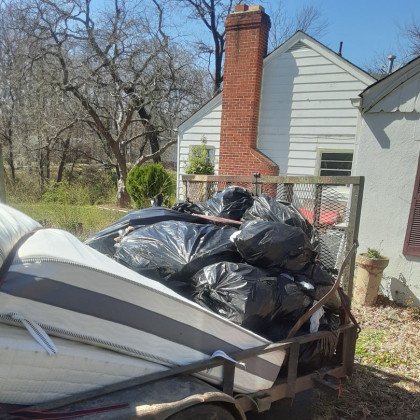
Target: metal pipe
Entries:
(391, 59)
(340, 50)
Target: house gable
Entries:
(301, 39)
(305, 104)
(201, 112)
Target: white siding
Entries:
(206, 122)
(305, 108)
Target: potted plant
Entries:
(370, 266)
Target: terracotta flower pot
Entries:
(368, 279)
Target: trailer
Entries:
(175, 394)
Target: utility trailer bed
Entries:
(174, 392)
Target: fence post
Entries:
(186, 190)
(353, 227)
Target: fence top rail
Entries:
(323, 180)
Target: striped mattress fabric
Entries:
(74, 292)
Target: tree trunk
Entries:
(218, 60)
(11, 159)
(61, 166)
(154, 145)
(123, 198)
(48, 161)
(151, 136)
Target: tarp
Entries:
(104, 240)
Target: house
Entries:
(288, 112)
(387, 154)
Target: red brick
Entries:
(246, 46)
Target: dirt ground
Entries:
(386, 380)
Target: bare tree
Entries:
(411, 34)
(406, 49)
(212, 14)
(119, 66)
(307, 18)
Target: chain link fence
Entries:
(331, 204)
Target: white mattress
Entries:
(73, 291)
(28, 375)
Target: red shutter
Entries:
(412, 237)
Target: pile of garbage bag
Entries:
(263, 274)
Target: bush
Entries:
(100, 182)
(374, 254)
(64, 193)
(25, 189)
(147, 181)
(82, 221)
(86, 185)
(198, 161)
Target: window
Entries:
(412, 236)
(336, 163)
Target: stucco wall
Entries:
(388, 146)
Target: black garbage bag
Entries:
(104, 240)
(293, 301)
(316, 274)
(172, 252)
(269, 209)
(312, 355)
(274, 245)
(231, 203)
(249, 296)
(187, 207)
(239, 292)
(317, 282)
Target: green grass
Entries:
(372, 349)
(79, 220)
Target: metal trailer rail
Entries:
(260, 401)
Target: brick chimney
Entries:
(246, 46)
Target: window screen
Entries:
(336, 164)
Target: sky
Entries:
(367, 27)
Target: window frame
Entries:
(413, 250)
(319, 159)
